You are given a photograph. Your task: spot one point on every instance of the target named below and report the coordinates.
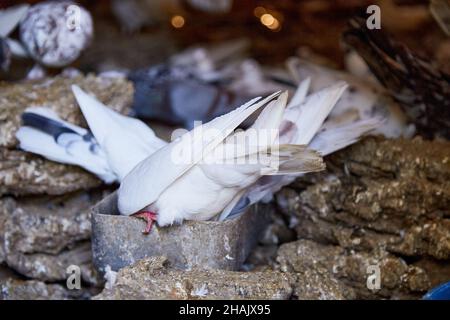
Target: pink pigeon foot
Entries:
(149, 217)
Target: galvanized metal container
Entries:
(118, 240)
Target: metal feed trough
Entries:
(118, 240)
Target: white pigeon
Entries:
(303, 123)
(117, 142)
(363, 100)
(168, 191)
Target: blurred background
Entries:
(138, 33)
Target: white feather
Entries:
(10, 18)
(300, 94)
(125, 140)
(339, 137)
(49, 113)
(230, 206)
(367, 98)
(331, 137)
(70, 148)
(308, 117)
(17, 49)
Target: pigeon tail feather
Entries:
(334, 139)
(45, 134)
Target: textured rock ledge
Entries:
(153, 278)
(42, 236)
(22, 173)
(398, 279)
(14, 288)
(31, 290)
(383, 202)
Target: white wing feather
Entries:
(308, 117)
(10, 18)
(116, 133)
(325, 142)
(330, 138)
(365, 96)
(337, 138)
(300, 94)
(74, 151)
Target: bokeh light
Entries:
(177, 21)
(267, 19)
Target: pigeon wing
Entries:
(45, 134)
(126, 141)
(143, 185)
(308, 117)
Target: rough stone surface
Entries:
(13, 286)
(53, 268)
(15, 289)
(278, 231)
(7, 205)
(7, 273)
(351, 267)
(153, 278)
(261, 257)
(384, 200)
(44, 235)
(31, 290)
(275, 234)
(22, 173)
(318, 284)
